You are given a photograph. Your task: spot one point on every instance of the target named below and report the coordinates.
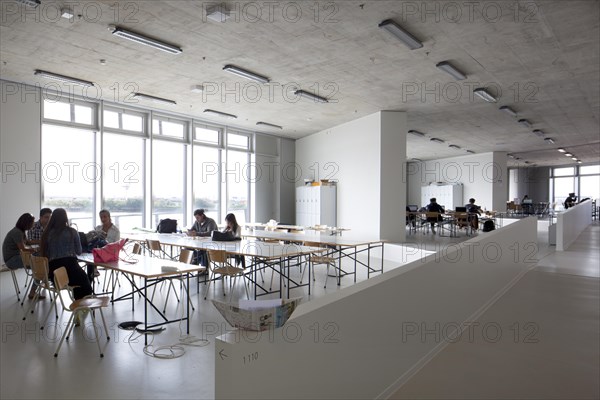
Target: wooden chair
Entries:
(78, 307)
(39, 276)
(318, 259)
(185, 256)
(218, 263)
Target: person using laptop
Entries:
(570, 201)
(234, 231)
(474, 211)
(202, 227)
(433, 206)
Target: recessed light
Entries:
(568, 154)
(197, 89)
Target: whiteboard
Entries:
(448, 196)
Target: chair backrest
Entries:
(185, 256)
(300, 231)
(61, 279)
(26, 259)
(154, 245)
(137, 249)
(432, 214)
(217, 256)
(39, 268)
(312, 244)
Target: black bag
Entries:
(223, 236)
(488, 226)
(167, 225)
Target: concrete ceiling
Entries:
(539, 57)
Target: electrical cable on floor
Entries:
(175, 350)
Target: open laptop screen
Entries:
(460, 209)
(413, 208)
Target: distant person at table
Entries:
(410, 217)
(234, 230)
(203, 225)
(109, 230)
(433, 206)
(34, 235)
(14, 242)
(61, 245)
(526, 197)
(570, 201)
(474, 211)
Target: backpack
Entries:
(167, 225)
(488, 226)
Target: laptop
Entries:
(222, 237)
(460, 209)
(528, 201)
(413, 208)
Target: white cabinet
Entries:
(316, 205)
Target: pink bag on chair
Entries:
(110, 252)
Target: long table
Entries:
(151, 270)
(274, 256)
(338, 246)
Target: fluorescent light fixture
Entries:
(66, 13)
(145, 40)
(454, 146)
(538, 132)
(269, 125)
(154, 98)
(30, 3)
(517, 158)
(549, 140)
(197, 89)
(574, 159)
(510, 156)
(409, 40)
(568, 154)
(579, 162)
(525, 123)
(415, 160)
(62, 78)
(217, 13)
(437, 140)
(561, 150)
(508, 110)
(526, 162)
(485, 95)
(310, 96)
(470, 152)
(451, 69)
(416, 133)
(246, 74)
(220, 114)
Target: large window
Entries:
(69, 173)
(123, 180)
(168, 194)
(584, 181)
(238, 174)
(206, 180)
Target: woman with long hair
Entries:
(61, 245)
(14, 242)
(235, 231)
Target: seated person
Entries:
(109, 230)
(234, 230)
(410, 218)
(14, 242)
(570, 201)
(202, 227)
(433, 206)
(34, 235)
(474, 211)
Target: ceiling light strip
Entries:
(311, 96)
(269, 125)
(416, 133)
(220, 114)
(154, 98)
(452, 70)
(485, 95)
(246, 74)
(62, 78)
(405, 37)
(508, 110)
(145, 40)
(436, 140)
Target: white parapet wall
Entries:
(368, 339)
(571, 223)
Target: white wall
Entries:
(20, 153)
(484, 177)
(353, 153)
(287, 181)
(359, 342)
(571, 223)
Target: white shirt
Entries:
(113, 234)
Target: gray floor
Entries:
(559, 297)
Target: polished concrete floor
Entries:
(548, 346)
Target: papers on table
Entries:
(257, 315)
